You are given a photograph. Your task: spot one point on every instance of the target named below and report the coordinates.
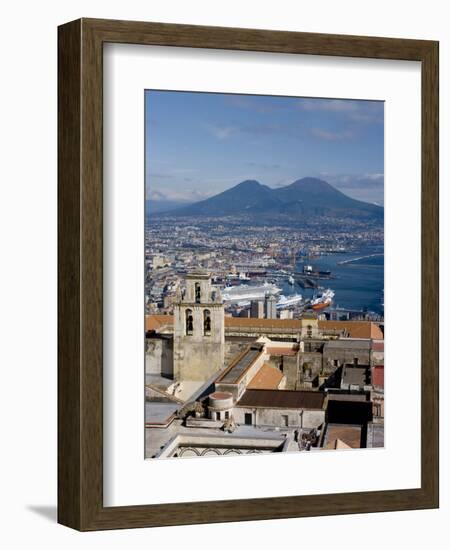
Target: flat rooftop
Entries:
(195, 444)
(274, 350)
(160, 413)
(347, 343)
(282, 399)
(346, 396)
(355, 376)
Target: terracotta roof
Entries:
(339, 444)
(355, 329)
(267, 378)
(156, 322)
(349, 435)
(282, 399)
(243, 322)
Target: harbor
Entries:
(348, 285)
(322, 270)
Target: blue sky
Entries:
(198, 144)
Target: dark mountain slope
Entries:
(247, 196)
(305, 198)
(312, 196)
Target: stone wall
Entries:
(312, 361)
(282, 418)
(159, 355)
(335, 357)
(234, 346)
(289, 368)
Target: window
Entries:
(227, 415)
(189, 323)
(218, 415)
(248, 419)
(206, 322)
(336, 362)
(309, 331)
(284, 420)
(197, 293)
(355, 360)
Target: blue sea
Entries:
(357, 285)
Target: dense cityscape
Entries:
(239, 254)
(246, 350)
(264, 298)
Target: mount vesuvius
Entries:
(305, 198)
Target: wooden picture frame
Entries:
(80, 271)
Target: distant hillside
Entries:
(305, 198)
(153, 206)
(247, 196)
(310, 196)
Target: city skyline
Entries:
(222, 139)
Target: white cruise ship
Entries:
(246, 293)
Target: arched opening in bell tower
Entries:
(189, 322)
(206, 322)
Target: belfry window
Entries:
(309, 331)
(189, 323)
(206, 322)
(197, 293)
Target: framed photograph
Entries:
(248, 233)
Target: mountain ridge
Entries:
(305, 197)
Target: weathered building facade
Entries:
(199, 334)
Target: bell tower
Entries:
(199, 334)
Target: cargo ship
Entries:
(309, 270)
(323, 300)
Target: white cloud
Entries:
(354, 110)
(331, 105)
(374, 177)
(221, 132)
(182, 195)
(367, 187)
